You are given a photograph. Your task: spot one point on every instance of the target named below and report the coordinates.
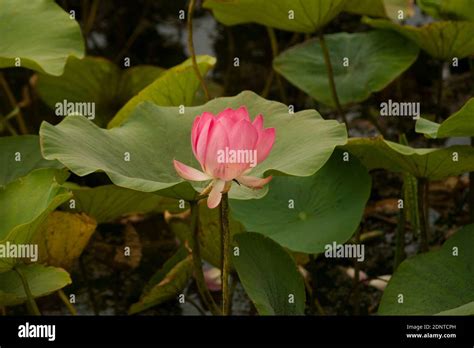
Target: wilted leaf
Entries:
(168, 288)
(62, 238)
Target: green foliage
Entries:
(306, 214)
(374, 59)
(435, 282)
(269, 275)
(27, 34)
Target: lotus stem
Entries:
(197, 261)
(400, 240)
(67, 303)
(225, 252)
(423, 209)
(30, 302)
(439, 97)
(471, 190)
(14, 104)
(332, 83)
(274, 46)
(192, 51)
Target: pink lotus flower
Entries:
(227, 146)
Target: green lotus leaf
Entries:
(304, 142)
(306, 214)
(448, 9)
(42, 281)
(443, 40)
(269, 275)
(109, 202)
(431, 163)
(437, 282)
(381, 8)
(301, 16)
(25, 204)
(38, 35)
(375, 59)
(177, 86)
(84, 81)
(459, 124)
(19, 155)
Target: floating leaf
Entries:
(168, 288)
(25, 204)
(306, 214)
(448, 9)
(42, 281)
(459, 124)
(269, 275)
(62, 238)
(164, 135)
(109, 202)
(38, 33)
(84, 81)
(375, 59)
(301, 16)
(442, 40)
(177, 86)
(432, 163)
(434, 282)
(19, 155)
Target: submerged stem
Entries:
(197, 262)
(225, 252)
(332, 83)
(30, 303)
(274, 46)
(192, 51)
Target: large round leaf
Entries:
(153, 136)
(269, 275)
(109, 202)
(306, 214)
(443, 40)
(42, 281)
(459, 124)
(39, 33)
(375, 59)
(438, 281)
(448, 9)
(177, 86)
(306, 16)
(98, 81)
(381, 8)
(432, 163)
(19, 155)
(25, 204)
